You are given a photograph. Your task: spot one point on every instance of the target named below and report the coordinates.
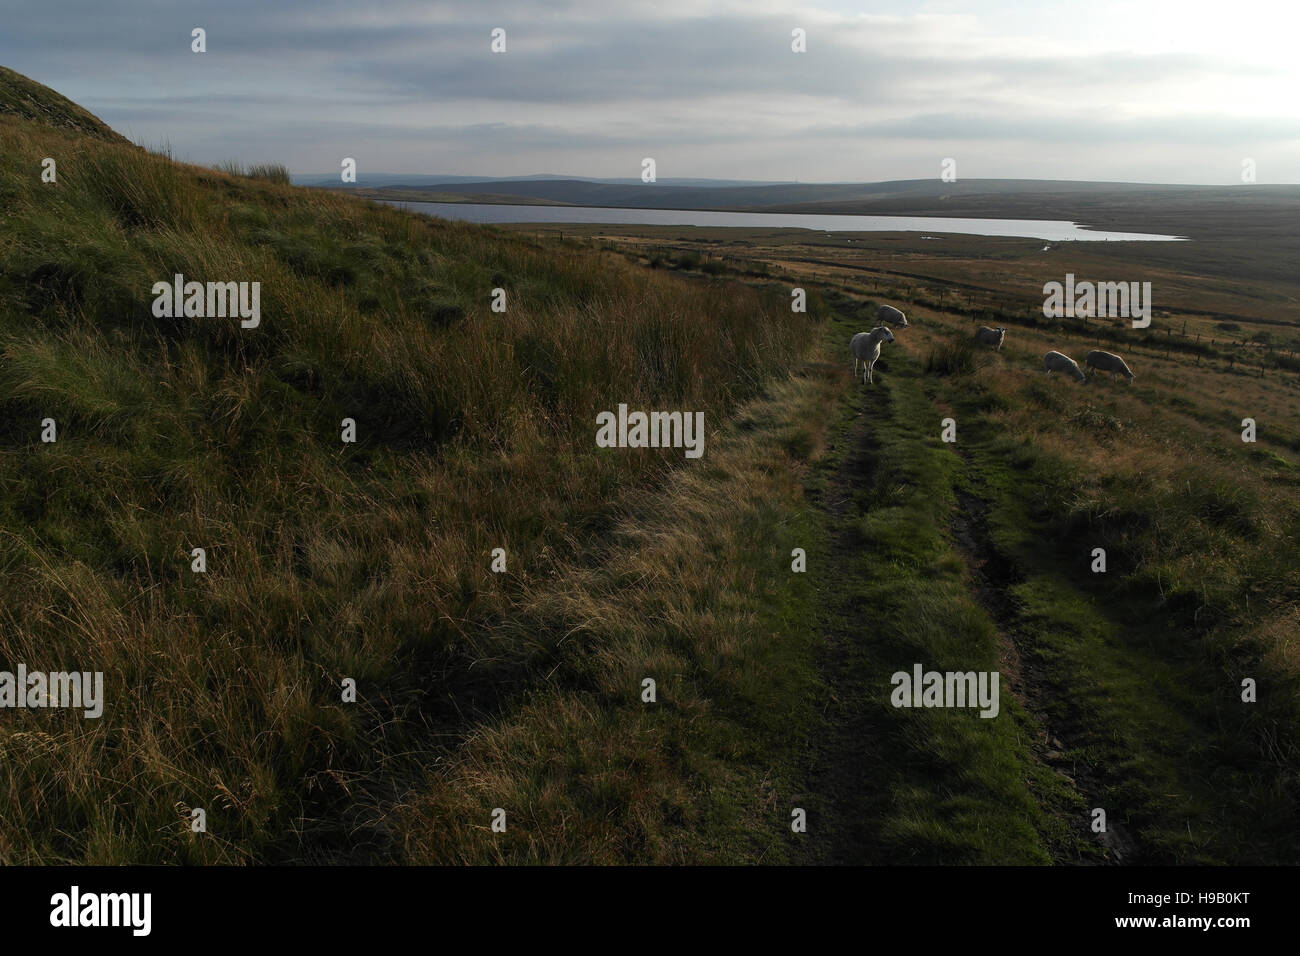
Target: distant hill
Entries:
(438, 194)
(418, 180)
(664, 194)
(20, 96)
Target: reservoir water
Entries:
(1048, 229)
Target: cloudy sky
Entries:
(1173, 91)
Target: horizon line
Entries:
(470, 179)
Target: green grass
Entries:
(938, 785)
(1140, 667)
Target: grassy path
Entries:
(943, 555)
(912, 785)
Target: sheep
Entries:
(1056, 362)
(986, 336)
(865, 346)
(888, 315)
(1107, 362)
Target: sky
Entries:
(1157, 91)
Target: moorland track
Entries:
(853, 778)
(847, 798)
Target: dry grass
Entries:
(596, 775)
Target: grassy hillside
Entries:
(325, 561)
(24, 98)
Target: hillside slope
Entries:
(27, 99)
(322, 560)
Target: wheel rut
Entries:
(846, 796)
(992, 578)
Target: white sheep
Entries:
(1107, 362)
(865, 347)
(1056, 362)
(888, 315)
(986, 336)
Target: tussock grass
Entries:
(952, 357)
(269, 172)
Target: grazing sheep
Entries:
(986, 336)
(865, 347)
(888, 315)
(1056, 362)
(1107, 362)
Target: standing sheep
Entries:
(1107, 362)
(1056, 362)
(865, 347)
(986, 336)
(888, 315)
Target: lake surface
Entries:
(1049, 229)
